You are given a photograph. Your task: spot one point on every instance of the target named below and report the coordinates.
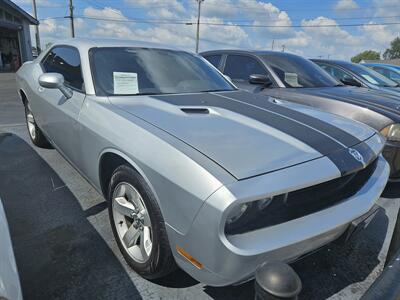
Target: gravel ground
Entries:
(65, 249)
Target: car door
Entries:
(59, 114)
(240, 67)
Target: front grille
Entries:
(306, 201)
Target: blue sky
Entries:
(96, 18)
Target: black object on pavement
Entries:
(276, 280)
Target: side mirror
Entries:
(55, 81)
(347, 80)
(260, 79)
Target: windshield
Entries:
(370, 75)
(298, 72)
(144, 71)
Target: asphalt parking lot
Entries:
(65, 249)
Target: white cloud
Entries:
(379, 33)
(266, 14)
(332, 32)
(105, 13)
(160, 8)
(217, 8)
(346, 5)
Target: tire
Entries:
(36, 135)
(124, 184)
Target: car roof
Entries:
(393, 67)
(252, 52)
(334, 61)
(94, 43)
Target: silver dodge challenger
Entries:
(197, 173)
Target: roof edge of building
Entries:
(27, 16)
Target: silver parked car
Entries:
(10, 286)
(195, 171)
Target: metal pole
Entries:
(37, 38)
(71, 17)
(273, 42)
(198, 25)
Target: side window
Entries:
(384, 72)
(394, 76)
(239, 67)
(47, 63)
(335, 72)
(66, 61)
(215, 60)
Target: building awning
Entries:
(11, 26)
(23, 13)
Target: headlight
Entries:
(392, 132)
(244, 213)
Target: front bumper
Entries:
(233, 259)
(391, 153)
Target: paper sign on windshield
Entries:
(125, 83)
(292, 79)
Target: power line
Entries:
(237, 25)
(189, 20)
(298, 26)
(281, 9)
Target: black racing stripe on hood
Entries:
(336, 133)
(307, 135)
(348, 163)
(321, 142)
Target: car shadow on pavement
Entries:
(337, 266)
(59, 253)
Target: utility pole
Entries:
(71, 17)
(273, 42)
(198, 25)
(37, 38)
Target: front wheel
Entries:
(138, 225)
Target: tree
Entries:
(366, 55)
(394, 50)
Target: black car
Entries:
(358, 75)
(289, 77)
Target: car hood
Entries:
(249, 135)
(391, 90)
(364, 96)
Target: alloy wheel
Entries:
(132, 222)
(30, 120)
